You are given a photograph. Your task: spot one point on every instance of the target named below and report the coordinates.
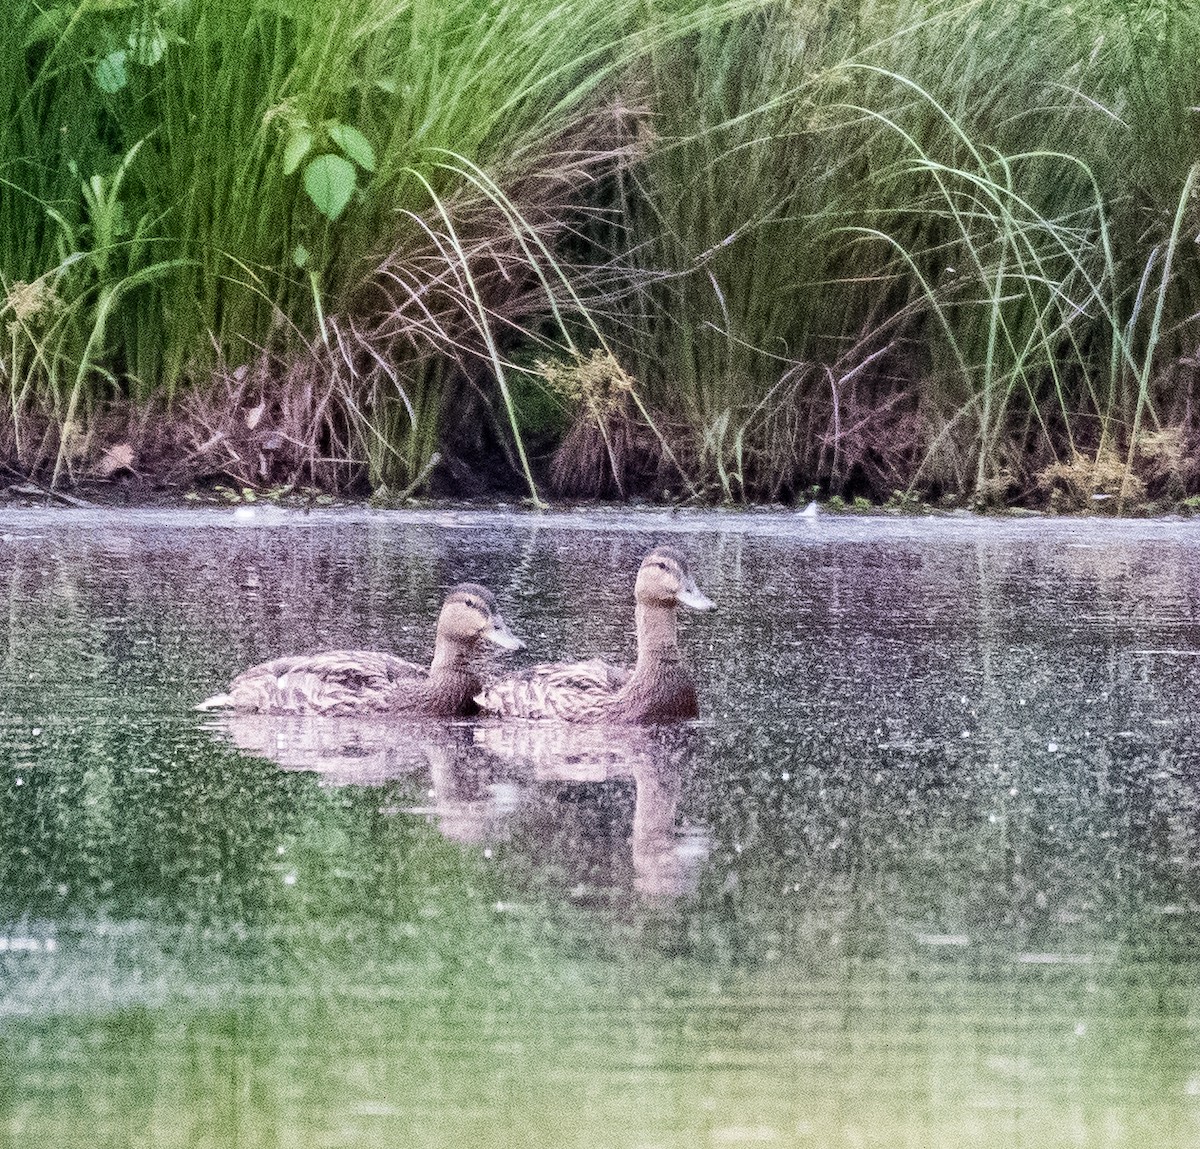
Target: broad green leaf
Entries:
(148, 43)
(299, 144)
(48, 25)
(354, 144)
(330, 182)
(110, 72)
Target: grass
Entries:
(937, 246)
(930, 245)
(188, 190)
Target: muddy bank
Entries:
(236, 446)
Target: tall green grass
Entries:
(934, 245)
(189, 188)
(930, 244)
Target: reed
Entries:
(188, 190)
(916, 245)
(940, 246)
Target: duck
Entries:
(659, 688)
(341, 683)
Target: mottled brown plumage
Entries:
(349, 682)
(658, 689)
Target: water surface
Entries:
(924, 874)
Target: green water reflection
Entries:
(924, 875)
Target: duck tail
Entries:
(216, 702)
(486, 701)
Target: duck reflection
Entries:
(570, 766)
(556, 793)
(343, 751)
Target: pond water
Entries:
(924, 874)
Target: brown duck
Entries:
(349, 682)
(658, 689)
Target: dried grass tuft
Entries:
(270, 424)
(1090, 482)
(1167, 462)
(608, 450)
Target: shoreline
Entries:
(749, 518)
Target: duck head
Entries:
(470, 616)
(664, 581)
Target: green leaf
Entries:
(300, 255)
(299, 144)
(354, 144)
(330, 182)
(48, 25)
(148, 43)
(110, 72)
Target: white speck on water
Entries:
(36, 731)
(1054, 959)
(289, 879)
(487, 853)
(692, 844)
(1080, 1028)
(19, 782)
(1052, 747)
(243, 513)
(786, 776)
(27, 945)
(943, 939)
(281, 850)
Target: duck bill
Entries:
(689, 595)
(499, 635)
